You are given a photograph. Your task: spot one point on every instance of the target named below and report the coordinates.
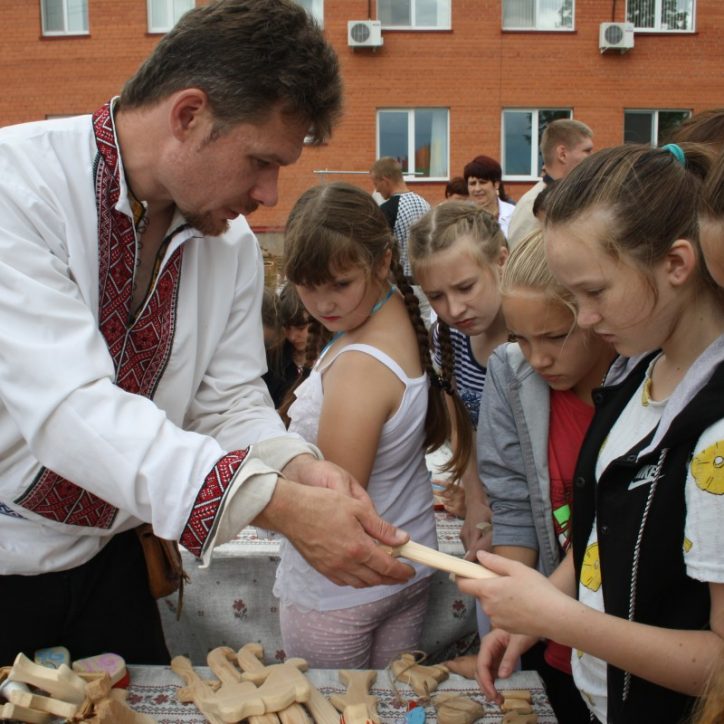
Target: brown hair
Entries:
(652, 197)
(387, 167)
(565, 131)
(457, 185)
(713, 192)
(336, 226)
(486, 169)
(703, 127)
(247, 56)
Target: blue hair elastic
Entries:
(676, 151)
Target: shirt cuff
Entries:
(278, 451)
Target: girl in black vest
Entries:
(641, 598)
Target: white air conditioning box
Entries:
(364, 33)
(616, 36)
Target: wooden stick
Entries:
(442, 561)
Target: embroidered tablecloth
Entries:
(153, 692)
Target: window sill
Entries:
(539, 30)
(55, 36)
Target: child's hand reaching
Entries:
(452, 497)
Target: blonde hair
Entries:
(527, 267)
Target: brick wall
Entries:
(475, 70)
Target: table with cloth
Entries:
(153, 692)
(231, 602)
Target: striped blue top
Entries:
(468, 372)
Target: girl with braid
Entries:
(374, 405)
(457, 252)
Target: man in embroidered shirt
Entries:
(131, 347)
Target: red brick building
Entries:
(459, 77)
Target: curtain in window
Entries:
(642, 13)
(77, 16)
(518, 13)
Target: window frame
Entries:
(535, 147)
(654, 112)
(418, 28)
(65, 32)
(412, 177)
(535, 29)
(170, 12)
(317, 11)
(657, 24)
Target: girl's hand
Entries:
(499, 654)
(474, 534)
(520, 600)
(453, 497)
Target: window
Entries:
(315, 8)
(668, 16)
(653, 127)
(164, 14)
(522, 130)
(64, 17)
(417, 14)
(538, 14)
(417, 138)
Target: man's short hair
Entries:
(387, 167)
(566, 131)
(247, 56)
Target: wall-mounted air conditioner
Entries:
(364, 33)
(616, 36)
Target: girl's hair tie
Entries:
(676, 151)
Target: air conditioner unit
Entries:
(364, 33)
(616, 36)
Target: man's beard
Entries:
(206, 223)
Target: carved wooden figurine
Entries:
(61, 683)
(454, 708)
(422, 679)
(358, 686)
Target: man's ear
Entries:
(680, 262)
(189, 109)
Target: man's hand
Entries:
(336, 533)
(307, 470)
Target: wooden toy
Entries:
(282, 686)
(222, 661)
(519, 705)
(112, 664)
(516, 717)
(61, 683)
(456, 709)
(441, 561)
(523, 694)
(358, 685)
(52, 657)
(197, 690)
(321, 710)
(20, 713)
(56, 707)
(422, 679)
(250, 659)
(109, 705)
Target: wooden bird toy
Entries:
(423, 679)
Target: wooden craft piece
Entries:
(456, 709)
(43, 703)
(222, 661)
(321, 710)
(52, 657)
(283, 685)
(197, 690)
(516, 717)
(422, 679)
(112, 664)
(523, 694)
(519, 705)
(355, 714)
(20, 713)
(61, 683)
(441, 561)
(358, 685)
(252, 656)
(113, 711)
(7, 686)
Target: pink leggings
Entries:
(369, 636)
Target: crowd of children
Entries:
(577, 380)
